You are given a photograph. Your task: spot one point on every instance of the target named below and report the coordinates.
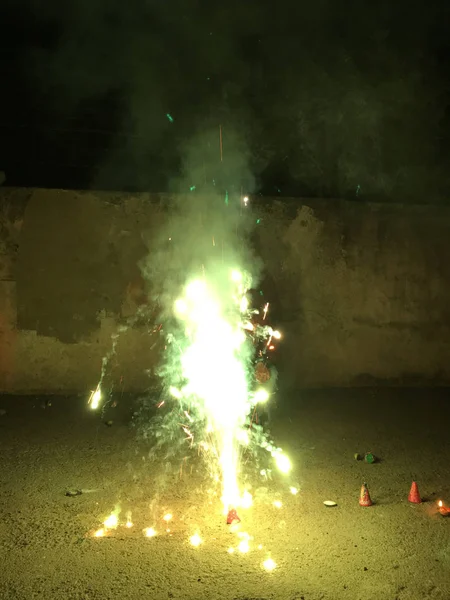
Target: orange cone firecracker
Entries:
(364, 497)
(414, 495)
(232, 517)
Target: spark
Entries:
(277, 503)
(129, 522)
(167, 517)
(265, 311)
(269, 564)
(149, 532)
(245, 199)
(195, 540)
(230, 550)
(244, 546)
(169, 117)
(293, 490)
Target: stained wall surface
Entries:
(361, 291)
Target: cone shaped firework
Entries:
(414, 495)
(232, 517)
(364, 496)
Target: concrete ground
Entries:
(392, 550)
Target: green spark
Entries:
(226, 197)
(258, 221)
(192, 188)
(169, 116)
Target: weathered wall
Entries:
(362, 290)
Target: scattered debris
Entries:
(370, 458)
(72, 493)
(330, 503)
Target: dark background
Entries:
(326, 99)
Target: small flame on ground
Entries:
(111, 522)
(440, 504)
(195, 540)
(99, 533)
(269, 564)
(244, 546)
(149, 532)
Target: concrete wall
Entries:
(362, 290)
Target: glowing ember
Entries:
(269, 564)
(440, 504)
(293, 490)
(168, 517)
(277, 503)
(244, 546)
(195, 540)
(230, 550)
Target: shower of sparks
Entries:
(218, 393)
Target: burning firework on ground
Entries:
(217, 386)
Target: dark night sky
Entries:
(315, 99)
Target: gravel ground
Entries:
(392, 550)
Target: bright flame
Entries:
(111, 522)
(99, 533)
(95, 398)
(283, 463)
(269, 564)
(195, 540)
(247, 500)
(214, 368)
(440, 504)
(150, 532)
(261, 396)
